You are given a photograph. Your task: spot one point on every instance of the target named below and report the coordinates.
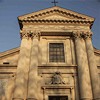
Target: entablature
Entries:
(54, 30)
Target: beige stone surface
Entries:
(10, 56)
(29, 75)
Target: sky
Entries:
(11, 9)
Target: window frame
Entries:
(63, 52)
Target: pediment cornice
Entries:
(58, 21)
(96, 51)
(8, 52)
(51, 13)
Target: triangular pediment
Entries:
(55, 13)
(56, 17)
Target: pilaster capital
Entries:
(25, 34)
(87, 35)
(36, 34)
(30, 34)
(82, 34)
(76, 34)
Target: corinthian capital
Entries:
(36, 34)
(25, 34)
(76, 34)
(87, 35)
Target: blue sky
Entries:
(11, 9)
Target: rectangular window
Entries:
(56, 52)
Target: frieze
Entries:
(55, 27)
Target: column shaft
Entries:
(33, 73)
(93, 69)
(20, 90)
(83, 70)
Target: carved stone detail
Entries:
(88, 35)
(76, 35)
(80, 34)
(25, 34)
(57, 79)
(30, 34)
(36, 34)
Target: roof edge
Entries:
(96, 51)
(9, 51)
(56, 7)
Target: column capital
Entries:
(82, 34)
(25, 34)
(36, 34)
(87, 35)
(30, 34)
(76, 34)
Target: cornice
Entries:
(8, 66)
(55, 10)
(58, 21)
(97, 52)
(49, 16)
(51, 20)
(8, 52)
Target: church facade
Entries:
(55, 61)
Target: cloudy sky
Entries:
(11, 9)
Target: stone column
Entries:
(20, 90)
(33, 77)
(93, 67)
(83, 69)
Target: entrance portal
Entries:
(58, 97)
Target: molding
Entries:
(65, 17)
(59, 21)
(57, 66)
(3, 66)
(53, 10)
(57, 30)
(96, 51)
(8, 52)
(6, 72)
(57, 87)
(55, 38)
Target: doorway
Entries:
(58, 97)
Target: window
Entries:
(56, 52)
